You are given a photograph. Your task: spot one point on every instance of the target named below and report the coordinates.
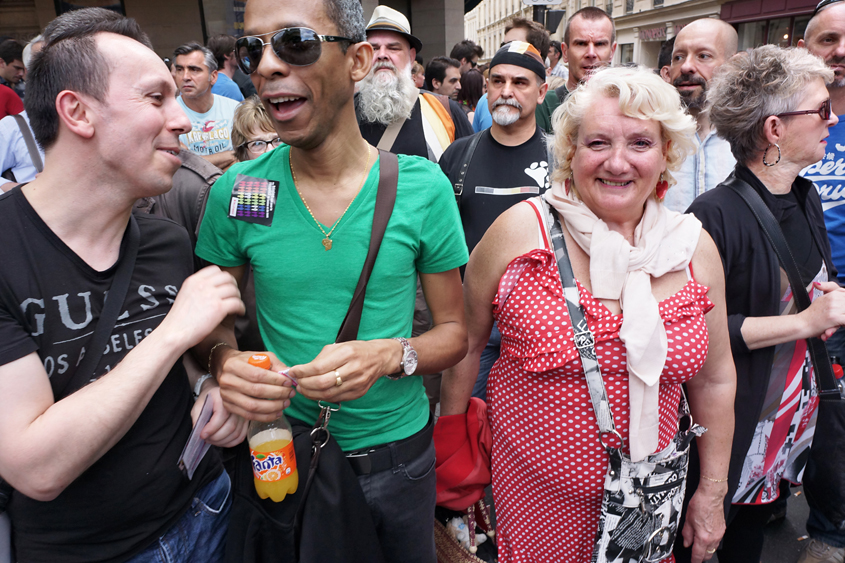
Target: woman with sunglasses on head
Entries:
(252, 133)
(773, 108)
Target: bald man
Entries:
(700, 48)
(825, 37)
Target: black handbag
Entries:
(642, 501)
(824, 477)
(327, 518)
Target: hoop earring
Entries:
(661, 188)
(765, 152)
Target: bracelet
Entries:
(198, 384)
(715, 480)
(211, 353)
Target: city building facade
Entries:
(438, 23)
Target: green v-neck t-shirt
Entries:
(303, 291)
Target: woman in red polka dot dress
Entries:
(652, 289)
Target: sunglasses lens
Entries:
(249, 50)
(297, 46)
(825, 110)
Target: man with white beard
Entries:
(392, 113)
(505, 164)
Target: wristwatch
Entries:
(408, 365)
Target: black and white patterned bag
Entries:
(642, 502)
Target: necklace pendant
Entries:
(327, 242)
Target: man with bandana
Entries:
(392, 113)
(700, 48)
(506, 163)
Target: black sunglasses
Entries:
(823, 4)
(823, 111)
(297, 46)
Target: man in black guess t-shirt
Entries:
(95, 472)
(509, 162)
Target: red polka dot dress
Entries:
(548, 465)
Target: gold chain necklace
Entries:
(327, 242)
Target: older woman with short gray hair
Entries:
(772, 106)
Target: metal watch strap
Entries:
(406, 346)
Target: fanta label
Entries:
(272, 466)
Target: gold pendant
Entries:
(327, 242)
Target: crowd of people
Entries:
(566, 284)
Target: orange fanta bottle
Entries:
(271, 451)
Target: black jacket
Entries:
(752, 288)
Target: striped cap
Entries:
(387, 19)
(522, 54)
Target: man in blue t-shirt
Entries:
(195, 71)
(223, 48)
(825, 37)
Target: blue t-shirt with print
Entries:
(829, 177)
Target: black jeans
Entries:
(401, 501)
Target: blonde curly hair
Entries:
(642, 95)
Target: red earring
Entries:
(661, 188)
(566, 184)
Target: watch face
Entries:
(410, 361)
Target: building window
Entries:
(626, 53)
(784, 32)
(629, 6)
(223, 17)
(609, 8)
(779, 32)
(658, 3)
(751, 34)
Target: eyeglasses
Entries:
(823, 4)
(474, 63)
(823, 111)
(297, 46)
(260, 147)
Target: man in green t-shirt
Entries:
(307, 251)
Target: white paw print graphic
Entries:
(539, 172)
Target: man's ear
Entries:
(436, 84)
(75, 113)
(563, 53)
(212, 77)
(360, 58)
(544, 88)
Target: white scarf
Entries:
(664, 241)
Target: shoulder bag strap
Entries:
(30, 143)
(828, 389)
(108, 317)
(389, 135)
(385, 199)
(470, 151)
(584, 340)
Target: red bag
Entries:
(463, 443)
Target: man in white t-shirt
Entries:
(195, 71)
